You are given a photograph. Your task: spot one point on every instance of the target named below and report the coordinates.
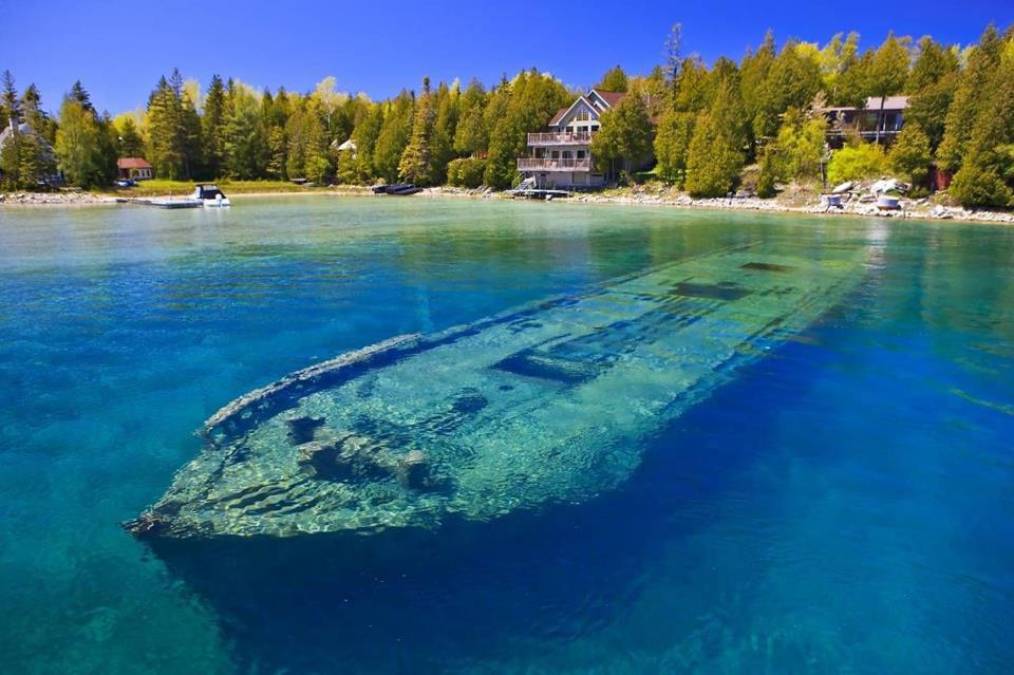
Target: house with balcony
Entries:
(560, 156)
(878, 120)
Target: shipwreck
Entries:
(546, 403)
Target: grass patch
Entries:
(179, 188)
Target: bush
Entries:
(466, 172)
(866, 160)
(975, 185)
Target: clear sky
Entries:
(119, 49)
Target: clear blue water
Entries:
(844, 505)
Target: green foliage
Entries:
(625, 137)
(129, 142)
(910, 155)
(243, 139)
(79, 146)
(466, 172)
(968, 99)
(986, 177)
(614, 80)
(768, 175)
(672, 145)
(470, 135)
(174, 130)
(213, 123)
(516, 108)
(394, 137)
(416, 165)
(800, 146)
(857, 162)
(715, 156)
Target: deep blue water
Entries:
(844, 505)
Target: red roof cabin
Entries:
(136, 168)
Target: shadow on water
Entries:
(420, 601)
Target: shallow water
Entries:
(843, 505)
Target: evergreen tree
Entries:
(969, 99)
(243, 134)
(471, 136)
(416, 164)
(755, 72)
(365, 136)
(986, 177)
(933, 62)
(9, 105)
(888, 72)
(212, 124)
(318, 142)
(394, 137)
(164, 147)
(613, 80)
(715, 156)
(910, 155)
(672, 145)
(444, 130)
(277, 152)
(624, 139)
(80, 94)
(129, 141)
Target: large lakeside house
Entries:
(560, 156)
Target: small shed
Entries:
(136, 168)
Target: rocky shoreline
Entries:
(637, 196)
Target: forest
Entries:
(699, 125)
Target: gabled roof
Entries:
(132, 163)
(24, 129)
(609, 98)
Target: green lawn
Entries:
(159, 187)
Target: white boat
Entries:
(210, 196)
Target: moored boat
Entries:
(210, 196)
(549, 402)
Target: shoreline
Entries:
(624, 197)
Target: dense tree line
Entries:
(961, 117)
(702, 124)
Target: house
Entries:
(871, 121)
(46, 154)
(560, 157)
(136, 168)
(348, 146)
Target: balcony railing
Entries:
(559, 138)
(545, 164)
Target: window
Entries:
(556, 154)
(583, 116)
(566, 154)
(594, 127)
(580, 154)
(570, 130)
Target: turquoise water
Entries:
(843, 505)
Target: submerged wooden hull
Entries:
(550, 402)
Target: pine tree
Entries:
(471, 136)
(672, 144)
(444, 128)
(212, 124)
(888, 72)
(243, 135)
(394, 137)
(986, 177)
(129, 141)
(416, 163)
(365, 136)
(715, 156)
(910, 156)
(9, 100)
(968, 99)
(614, 80)
(624, 139)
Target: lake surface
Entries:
(845, 504)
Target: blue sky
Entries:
(119, 49)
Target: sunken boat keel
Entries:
(550, 402)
